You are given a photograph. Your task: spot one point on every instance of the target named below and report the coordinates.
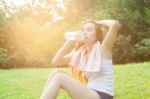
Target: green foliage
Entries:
(122, 49)
(132, 42)
(147, 15)
(141, 50)
(3, 56)
(134, 17)
(26, 31)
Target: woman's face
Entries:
(89, 31)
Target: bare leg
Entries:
(75, 89)
(51, 75)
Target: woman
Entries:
(92, 57)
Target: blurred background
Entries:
(32, 31)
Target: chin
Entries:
(87, 42)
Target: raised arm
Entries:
(113, 26)
(59, 59)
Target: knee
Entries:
(58, 78)
(55, 71)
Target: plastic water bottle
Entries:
(74, 36)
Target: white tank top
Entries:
(104, 80)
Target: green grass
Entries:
(132, 81)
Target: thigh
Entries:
(74, 88)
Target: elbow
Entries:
(117, 24)
(54, 62)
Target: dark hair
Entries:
(99, 32)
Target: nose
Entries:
(85, 34)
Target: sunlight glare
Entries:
(17, 3)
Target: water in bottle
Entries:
(74, 36)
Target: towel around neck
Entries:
(92, 63)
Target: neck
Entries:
(89, 47)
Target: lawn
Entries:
(132, 81)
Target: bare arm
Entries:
(59, 59)
(113, 26)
